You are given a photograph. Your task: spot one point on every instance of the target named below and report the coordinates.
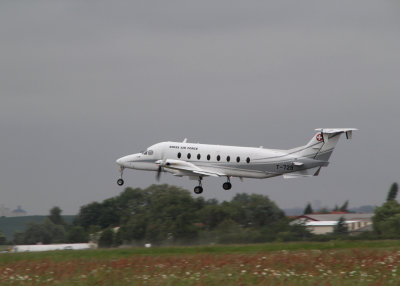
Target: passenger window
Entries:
(228, 158)
(218, 157)
(208, 157)
(238, 159)
(188, 155)
(198, 156)
(248, 160)
(179, 155)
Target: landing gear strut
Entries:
(120, 181)
(198, 189)
(227, 185)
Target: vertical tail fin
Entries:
(321, 146)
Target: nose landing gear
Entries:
(198, 189)
(120, 181)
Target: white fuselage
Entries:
(232, 161)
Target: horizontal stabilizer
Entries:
(335, 130)
(303, 173)
(347, 131)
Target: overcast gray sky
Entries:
(85, 82)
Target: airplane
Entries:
(203, 160)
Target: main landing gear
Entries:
(198, 189)
(227, 185)
(120, 181)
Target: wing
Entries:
(183, 168)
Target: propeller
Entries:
(160, 163)
(158, 175)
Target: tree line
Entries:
(53, 230)
(169, 215)
(344, 208)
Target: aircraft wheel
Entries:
(120, 182)
(227, 186)
(198, 190)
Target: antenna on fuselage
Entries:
(184, 140)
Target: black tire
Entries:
(120, 182)
(227, 186)
(198, 190)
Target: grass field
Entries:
(329, 263)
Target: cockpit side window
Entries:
(150, 152)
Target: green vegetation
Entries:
(168, 215)
(392, 194)
(386, 220)
(344, 207)
(341, 228)
(308, 209)
(113, 253)
(52, 230)
(10, 225)
(3, 239)
(165, 215)
(329, 263)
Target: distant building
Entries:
(18, 212)
(325, 223)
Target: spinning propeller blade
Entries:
(158, 175)
(160, 164)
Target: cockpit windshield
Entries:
(148, 152)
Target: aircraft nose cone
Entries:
(127, 161)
